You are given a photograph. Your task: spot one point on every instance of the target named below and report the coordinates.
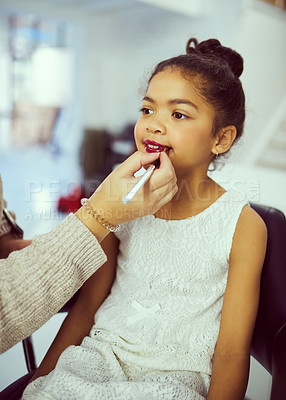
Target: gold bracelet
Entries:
(102, 221)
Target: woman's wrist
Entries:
(98, 215)
(116, 213)
(98, 230)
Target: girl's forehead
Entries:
(171, 78)
(171, 83)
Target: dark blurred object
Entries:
(12, 222)
(92, 156)
(269, 337)
(279, 365)
(94, 152)
(100, 152)
(16, 389)
(122, 145)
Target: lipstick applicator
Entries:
(138, 185)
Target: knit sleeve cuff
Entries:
(78, 245)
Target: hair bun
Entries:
(214, 47)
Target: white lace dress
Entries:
(155, 334)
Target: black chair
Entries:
(269, 337)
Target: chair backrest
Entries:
(272, 305)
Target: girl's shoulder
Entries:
(249, 240)
(251, 223)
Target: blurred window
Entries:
(38, 75)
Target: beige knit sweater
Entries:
(37, 281)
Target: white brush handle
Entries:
(138, 185)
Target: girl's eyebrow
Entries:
(183, 101)
(174, 101)
(146, 98)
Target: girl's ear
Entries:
(224, 140)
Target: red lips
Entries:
(154, 147)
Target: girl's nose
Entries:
(156, 127)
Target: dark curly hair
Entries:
(214, 70)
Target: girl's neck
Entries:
(194, 194)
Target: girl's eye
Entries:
(146, 111)
(179, 115)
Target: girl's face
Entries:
(175, 118)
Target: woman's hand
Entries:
(107, 199)
(157, 191)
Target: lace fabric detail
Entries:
(155, 334)
(179, 267)
(92, 371)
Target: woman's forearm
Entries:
(38, 280)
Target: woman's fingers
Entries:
(165, 174)
(134, 163)
(161, 196)
(166, 197)
(161, 186)
(156, 192)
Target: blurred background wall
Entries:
(71, 69)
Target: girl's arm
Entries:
(80, 319)
(232, 354)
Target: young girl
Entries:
(179, 319)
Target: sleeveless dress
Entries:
(155, 334)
